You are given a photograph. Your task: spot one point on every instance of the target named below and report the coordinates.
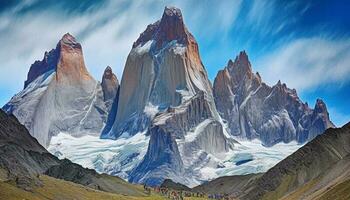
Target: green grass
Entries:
(62, 190)
(339, 192)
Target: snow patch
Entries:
(191, 135)
(115, 157)
(179, 49)
(39, 83)
(151, 110)
(143, 48)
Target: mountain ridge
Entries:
(273, 114)
(60, 95)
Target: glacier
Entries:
(119, 157)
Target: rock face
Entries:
(60, 95)
(253, 109)
(166, 93)
(177, 135)
(110, 86)
(162, 68)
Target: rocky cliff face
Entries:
(177, 136)
(165, 91)
(110, 86)
(162, 69)
(60, 95)
(253, 109)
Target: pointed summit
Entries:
(109, 84)
(71, 66)
(320, 106)
(69, 40)
(154, 77)
(246, 102)
(171, 27)
(66, 59)
(241, 66)
(57, 93)
(242, 58)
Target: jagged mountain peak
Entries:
(241, 66)
(109, 84)
(320, 105)
(71, 66)
(108, 74)
(38, 68)
(169, 28)
(230, 63)
(69, 40)
(246, 103)
(242, 58)
(172, 11)
(60, 95)
(66, 59)
(321, 108)
(68, 36)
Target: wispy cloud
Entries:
(307, 63)
(106, 32)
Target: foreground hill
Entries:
(60, 189)
(23, 163)
(318, 170)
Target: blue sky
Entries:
(305, 44)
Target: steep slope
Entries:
(162, 69)
(60, 95)
(165, 93)
(274, 114)
(23, 161)
(308, 173)
(110, 86)
(181, 139)
(22, 158)
(174, 186)
(227, 184)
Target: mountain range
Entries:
(166, 97)
(252, 109)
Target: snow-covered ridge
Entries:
(39, 83)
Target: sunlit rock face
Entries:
(253, 109)
(166, 93)
(60, 95)
(161, 70)
(181, 133)
(110, 86)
